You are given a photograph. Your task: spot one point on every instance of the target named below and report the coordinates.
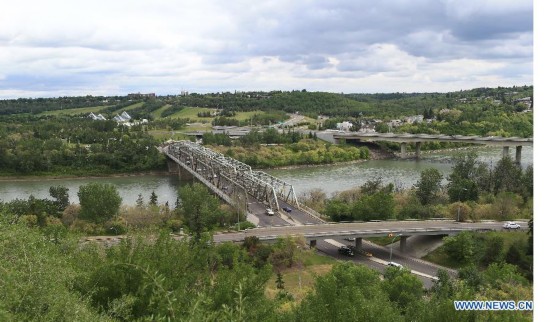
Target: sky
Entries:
(104, 47)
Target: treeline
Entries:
(163, 279)
(308, 151)
(65, 145)
(474, 191)
(39, 105)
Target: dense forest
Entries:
(50, 274)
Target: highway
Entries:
(362, 229)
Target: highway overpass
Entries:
(417, 139)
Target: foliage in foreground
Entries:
(164, 279)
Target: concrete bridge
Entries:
(417, 139)
(361, 230)
(232, 180)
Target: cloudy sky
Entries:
(113, 47)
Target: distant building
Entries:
(122, 118)
(97, 117)
(414, 118)
(139, 95)
(344, 126)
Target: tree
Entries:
(507, 176)
(199, 208)
(359, 297)
(61, 196)
(280, 283)
(402, 287)
(460, 247)
(463, 183)
(99, 202)
(428, 185)
(139, 201)
(153, 200)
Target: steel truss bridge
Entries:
(230, 179)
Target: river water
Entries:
(331, 178)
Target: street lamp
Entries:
(459, 205)
(391, 245)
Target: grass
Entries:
(300, 280)
(243, 116)
(165, 135)
(75, 111)
(157, 113)
(128, 108)
(191, 114)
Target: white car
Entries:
(394, 264)
(511, 225)
(269, 212)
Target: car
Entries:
(394, 264)
(345, 250)
(350, 239)
(269, 212)
(511, 225)
(287, 209)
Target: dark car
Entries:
(345, 250)
(287, 209)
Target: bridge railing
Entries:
(215, 166)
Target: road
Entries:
(363, 229)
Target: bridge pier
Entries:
(313, 243)
(172, 166)
(418, 150)
(403, 150)
(403, 243)
(505, 151)
(358, 243)
(518, 154)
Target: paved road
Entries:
(365, 229)
(360, 259)
(299, 216)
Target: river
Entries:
(330, 178)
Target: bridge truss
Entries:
(229, 177)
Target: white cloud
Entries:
(101, 46)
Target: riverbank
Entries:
(72, 176)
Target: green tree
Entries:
(402, 287)
(463, 183)
(507, 176)
(280, 283)
(494, 250)
(99, 202)
(61, 196)
(153, 200)
(460, 247)
(199, 208)
(428, 185)
(347, 293)
(139, 201)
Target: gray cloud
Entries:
(204, 44)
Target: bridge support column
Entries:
(518, 154)
(172, 166)
(403, 243)
(313, 243)
(403, 150)
(505, 151)
(418, 150)
(358, 243)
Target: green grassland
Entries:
(75, 111)
(128, 108)
(157, 113)
(191, 114)
(300, 280)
